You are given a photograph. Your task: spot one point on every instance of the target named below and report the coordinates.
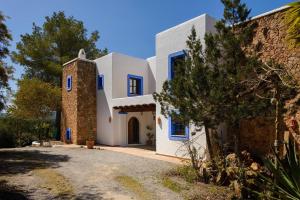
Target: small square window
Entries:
(135, 85)
(69, 83)
(100, 82)
(178, 130)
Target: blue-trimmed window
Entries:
(173, 60)
(134, 85)
(177, 129)
(69, 83)
(100, 82)
(68, 134)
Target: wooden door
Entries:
(133, 131)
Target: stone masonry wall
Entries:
(271, 33)
(86, 98)
(69, 103)
(257, 135)
(79, 104)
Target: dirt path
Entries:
(76, 173)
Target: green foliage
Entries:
(286, 182)
(206, 86)
(44, 51)
(5, 71)
(293, 21)
(35, 99)
(18, 132)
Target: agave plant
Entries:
(285, 183)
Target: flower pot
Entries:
(90, 144)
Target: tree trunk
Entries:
(209, 143)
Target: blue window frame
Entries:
(172, 61)
(177, 130)
(68, 134)
(69, 83)
(134, 85)
(100, 82)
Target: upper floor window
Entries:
(69, 83)
(134, 85)
(100, 82)
(174, 60)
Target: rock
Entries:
(35, 144)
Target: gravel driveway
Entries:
(78, 173)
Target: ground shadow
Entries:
(9, 192)
(22, 161)
(146, 147)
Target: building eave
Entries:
(77, 59)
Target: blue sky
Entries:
(125, 26)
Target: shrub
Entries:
(21, 132)
(7, 140)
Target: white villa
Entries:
(114, 94)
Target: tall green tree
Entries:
(47, 48)
(5, 71)
(35, 99)
(43, 52)
(206, 87)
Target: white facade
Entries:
(112, 126)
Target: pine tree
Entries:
(5, 70)
(207, 86)
(43, 52)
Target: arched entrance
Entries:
(133, 131)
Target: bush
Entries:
(17, 132)
(7, 140)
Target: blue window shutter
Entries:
(68, 134)
(69, 83)
(100, 82)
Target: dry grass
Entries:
(134, 186)
(55, 182)
(182, 180)
(172, 185)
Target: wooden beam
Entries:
(137, 108)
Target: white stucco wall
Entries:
(152, 73)
(104, 101)
(115, 67)
(124, 65)
(168, 42)
(121, 126)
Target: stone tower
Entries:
(78, 120)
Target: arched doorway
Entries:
(133, 131)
